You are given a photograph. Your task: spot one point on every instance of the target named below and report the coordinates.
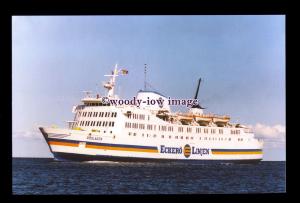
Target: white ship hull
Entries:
(66, 144)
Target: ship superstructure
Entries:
(149, 132)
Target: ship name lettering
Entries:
(200, 151)
(170, 150)
(89, 137)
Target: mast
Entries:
(110, 85)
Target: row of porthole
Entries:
(181, 137)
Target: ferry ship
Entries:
(149, 132)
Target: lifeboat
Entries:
(221, 121)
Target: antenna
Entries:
(145, 72)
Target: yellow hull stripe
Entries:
(63, 144)
(121, 148)
(229, 153)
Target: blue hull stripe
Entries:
(104, 144)
(236, 150)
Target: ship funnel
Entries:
(196, 96)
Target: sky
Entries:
(241, 60)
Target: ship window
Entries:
(200, 138)
(96, 114)
(134, 134)
(187, 138)
(229, 139)
(129, 133)
(192, 138)
(170, 136)
(112, 124)
(205, 138)
(181, 137)
(162, 136)
(154, 135)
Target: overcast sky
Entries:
(241, 60)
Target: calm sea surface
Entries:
(46, 176)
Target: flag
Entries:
(124, 71)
